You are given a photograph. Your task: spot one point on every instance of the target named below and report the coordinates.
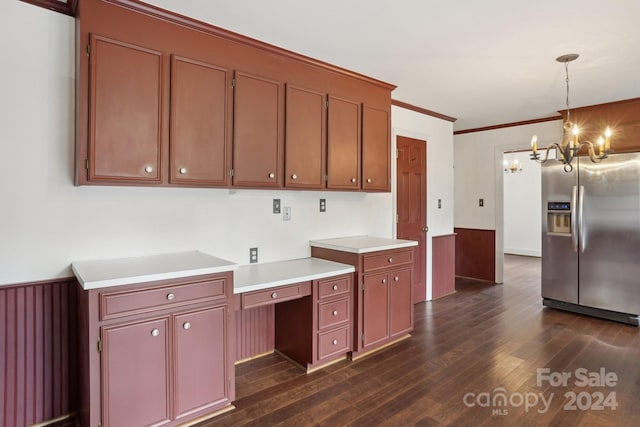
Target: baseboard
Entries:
(67, 420)
(523, 252)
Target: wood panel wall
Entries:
(37, 352)
(622, 116)
(443, 265)
(476, 253)
(255, 331)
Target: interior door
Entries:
(412, 206)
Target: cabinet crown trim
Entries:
(205, 27)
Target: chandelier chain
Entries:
(566, 71)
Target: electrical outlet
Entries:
(439, 203)
(323, 205)
(276, 206)
(481, 202)
(253, 255)
(286, 213)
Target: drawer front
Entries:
(117, 304)
(336, 286)
(275, 295)
(333, 312)
(334, 342)
(387, 260)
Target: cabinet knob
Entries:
(390, 259)
(384, 281)
(335, 287)
(294, 176)
(274, 295)
(272, 175)
(186, 325)
(396, 278)
(155, 332)
(369, 180)
(335, 312)
(182, 171)
(170, 297)
(334, 342)
(148, 169)
(353, 180)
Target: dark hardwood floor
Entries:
(471, 348)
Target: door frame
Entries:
(395, 132)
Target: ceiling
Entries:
(484, 62)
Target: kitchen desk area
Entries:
(162, 333)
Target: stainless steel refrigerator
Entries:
(591, 237)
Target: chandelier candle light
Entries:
(571, 144)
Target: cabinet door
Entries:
(401, 302)
(258, 139)
(135, 372)
(200, 144)
(343, 144)
(376, 148)
(375, 309)
(200, 360)
(125, 120)
(305, 123)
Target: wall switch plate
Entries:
(481, 202)
(439, 203)
(276, 206)
(286, 213)
(323, 205)
(253, 255)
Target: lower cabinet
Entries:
(326, 335)
(156, 363)
(382, 298)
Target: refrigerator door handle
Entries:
(581, 237)
(574, 234)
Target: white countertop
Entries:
(362, 244)
(254, 277)
(93, 274)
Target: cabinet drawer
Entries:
(388, 259)
(275, 295)
(336, 286)
(333, 342)
(118, 304)
(333, 312)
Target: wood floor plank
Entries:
(483, 338)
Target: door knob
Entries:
(425, 228)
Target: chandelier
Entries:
(512, 166)
(571, 144)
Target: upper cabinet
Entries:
(343, 145)
(125, 120)
(167, 101)
(306, 124)
(200, 141)
(257, 129)
(376, 150)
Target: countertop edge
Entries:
(292, 280)
(399, 245)
(132, 280)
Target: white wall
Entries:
(439, 136)
(478, 174)
(46, 222)
(522, 212)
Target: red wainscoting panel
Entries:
(476, 253)
(255, 331)
(37, 352)
(443, 265)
